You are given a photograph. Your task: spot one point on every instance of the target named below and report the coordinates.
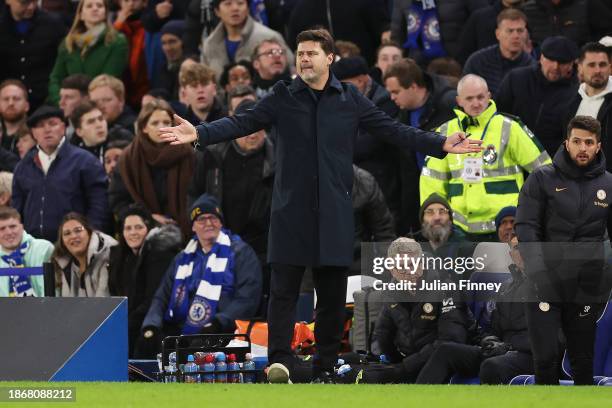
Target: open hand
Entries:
(459, 143)
(183, 132)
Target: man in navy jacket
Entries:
(314, 120)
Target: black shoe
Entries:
(324, 377)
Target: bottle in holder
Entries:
(249, 364)
(191, 367)
(220, 368)
(209, 368)
(171, 377)
(232, 365)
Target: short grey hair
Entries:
(404, 246)
(6, 182)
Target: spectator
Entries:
(494, 62)
(172, 47)
(504, 224)
(408, 332)
(361, 22)
(160, 12)
(73, 91)
(479, 30)
(373, 220)
(594, 96)
(153, 174)
(235, 36)
(386, 55)
(29, 38)
(579, 20)
(6, 188)
(92, 130)
(346, 49)
(477, 189)
(108, 93)
(128, 22)
(447, 68)
(436, 30)
(240, 175)
(138, 263)
(56, 178)
(199, 90)
(236, 73)
(233, 288)
(112, 153)
(18, 249)
(81, 259)
(25, 141)
(92, 47)
(239, 94)
(14, 109)
(270, 63)
(539, 95)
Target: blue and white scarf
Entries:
(423, 24)
(19, 286)
(202, 283)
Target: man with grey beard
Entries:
(438, 236)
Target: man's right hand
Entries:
(163, 9)
(183, 132)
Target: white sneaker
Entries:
(278, 374)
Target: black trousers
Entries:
(330, 286)
(453, 358)
(578, 322)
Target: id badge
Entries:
(472, 170)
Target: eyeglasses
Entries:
(273, 52)
(440, 211)
(204, 219)
(75, 231)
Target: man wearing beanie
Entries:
(172, 47)
(56, 178)
(504, 223)
(214, 281)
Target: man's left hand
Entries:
(459, 143)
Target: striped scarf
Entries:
(19, 286)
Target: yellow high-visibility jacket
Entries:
(509, 149)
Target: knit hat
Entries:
(509, 211)
(205, 204)
(350, 67)
(174, 27)
(434, 198)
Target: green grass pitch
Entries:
(116, 395)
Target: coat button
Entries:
(22, 59)
(29, 91)
(22, 41)
(22, 77)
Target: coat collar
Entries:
(298, 84)
(479, 121)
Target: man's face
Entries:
(233, 13)
(235, 101)
(111, 158)
(437, 224)
(595, 69)
(108, 102)
(93, 128)
(473, 97)
(388, 56)
(554, 71)
(14, 104)
(200, 97)
(252, 142)
(207, 227)
(311, 62)
(582, 147)
(360, 82)
(172, 47)
(11, 233)
(506, 227)
(48, 133)
(271, 60)
(411, 273)
(404, 98)
(22, 9)
(511, 35)
(69, 99)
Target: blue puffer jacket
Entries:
(76, 181)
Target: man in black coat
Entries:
(29, 39)
(539, 94)
(315, 119)
(594, 96)
(561, 221)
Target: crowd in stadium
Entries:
(90, 183)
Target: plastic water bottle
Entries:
(249, 364)
(171, 378)
(191, 367)
(209, 368)
(220, 368)
(232, 365)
